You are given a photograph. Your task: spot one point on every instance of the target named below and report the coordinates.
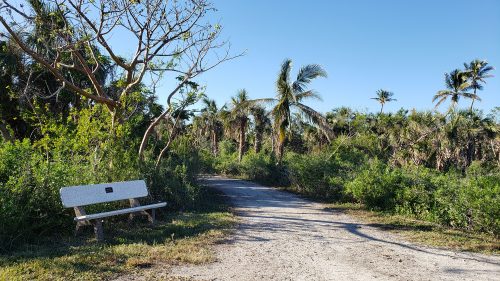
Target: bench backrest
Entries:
(82, 195)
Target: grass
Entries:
(176, 238)
(424, 232)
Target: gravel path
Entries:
(284, 237)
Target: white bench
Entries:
(79, 196)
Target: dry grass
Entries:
(177, 238)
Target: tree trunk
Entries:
(5, 132)
(279, 152)
(469, 152)
(473, 100)
(242, 141)
(215, 143)
(258, 140)
(273, 142)
(164, 150)
(148, 132)
(382, 109)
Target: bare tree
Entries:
(74, 36)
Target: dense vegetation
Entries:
(440, 167)
(74, 112)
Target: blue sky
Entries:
(401, 46)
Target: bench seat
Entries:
(119, 212)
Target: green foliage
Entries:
(470, 202)
(261, 167)
(350, 170)
(227, 161)
(323, 174)
(82, 149)
(174, 180)
(310, 174)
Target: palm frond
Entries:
(316, 118)
(471, 96)
(305, 75)
(307, 94)
(440, 101)
(441, 94)
(284, 76)
(263, 101)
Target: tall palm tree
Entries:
(289, 97)
(238, 118)
(457, 85)
(477, 71)
(261, 121)
(383, 96)
(211, 123)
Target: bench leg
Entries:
(79, 225)
(135, 203)
(152, 217)
(98, 231)
(80, 211)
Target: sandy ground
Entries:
(284, 237)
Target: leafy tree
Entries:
(168, 38)
(383, 97)
(477, 71)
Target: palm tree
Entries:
(261, 121)
(289, 97)
(383, 96)
(210, 121)
(477, 72)
(457, 85)
(238, 118)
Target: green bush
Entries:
(471, 202)
(323, 175)
(376, 186)
(29, 196)
(69, 153)
(262, 168)
(310, 173)
(226, 162)
(174, 180)
(256, 166)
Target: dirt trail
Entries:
(284, 237)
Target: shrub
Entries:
(324, 174)
(226, 162)
(376, 186)
(31, 173)
(471, 202)
(262, 168)
(256, 166)
(174, 180)
(310, 173)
